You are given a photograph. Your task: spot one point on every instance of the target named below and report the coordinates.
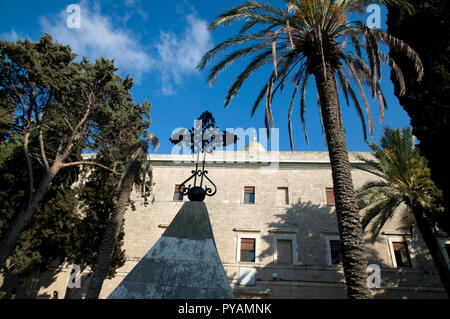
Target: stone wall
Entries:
(307, 219)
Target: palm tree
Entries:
(136, 165)
(405, 179)
(313, 38)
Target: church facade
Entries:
(275, 229)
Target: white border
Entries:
(243, 195)
(327, 242)
(442, 243)
(183, 197)
(238, 248)
(407, 241)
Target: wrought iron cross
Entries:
(200, 144)
(198, 193)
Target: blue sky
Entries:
(159, 43)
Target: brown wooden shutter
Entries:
(284, 251)
(178, 190)
(399, 246)
(247, 244)
(249, 190)
(330, 196)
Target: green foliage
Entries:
(49, 236)
(426, 102)
(405, 179)
(308, 38)
(47, 89)
(12, 187)
(70, 222)
(76, 107)
(98, 197)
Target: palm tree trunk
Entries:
(23, 218)
(109, 241)
(349, 223)
(433, 246)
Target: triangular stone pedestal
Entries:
(183, 264)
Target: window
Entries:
(282, 196)
(249, 195)
(178, 194)
(248, 250)
(401, 254)
(284, 251)
(335, 251)
(330, 196)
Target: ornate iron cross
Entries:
(198, 193)
(206, 138)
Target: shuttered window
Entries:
(284, 251)
(249, 195)
(401, 253)
(330, 196)
(178, 193)
(336, 252)
(248, 250)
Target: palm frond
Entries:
(228, 43)
(230, 59)
(379, 214)
(319, 106)
(348, 91)
(259, 98)
(356, 78)
(290, 113)
(401, 46)
(269, 115)
(254, 65)
(154, 141)
(249, 10)
(397, 72)
(303, 106)
(310, 37)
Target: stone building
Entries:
(275, 228)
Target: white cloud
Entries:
(172, 57)
(135, 5)
(142, 14)
(12, 36)
(98, 37)
(178, 57)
